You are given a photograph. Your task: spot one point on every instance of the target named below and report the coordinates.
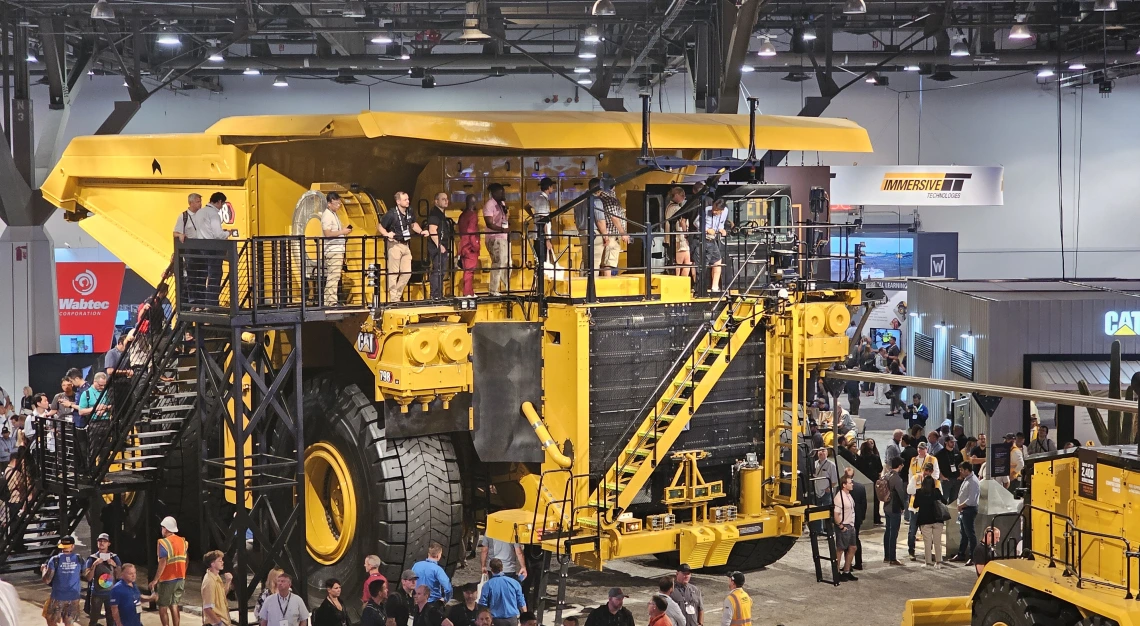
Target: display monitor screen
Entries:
(880, 336)
(883, 257)
(75, 344)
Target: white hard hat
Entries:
(170, 524)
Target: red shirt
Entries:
(368, 581)
(660, 620)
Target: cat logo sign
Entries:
(366, 344)
(1121, 323)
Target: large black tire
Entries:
(754, 555)
(408, 491)
(1001, 601)
(1096, 620)
(179, 494)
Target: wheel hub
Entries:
(330, 504)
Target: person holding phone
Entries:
(334, 232)
(102, 569)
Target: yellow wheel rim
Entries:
(330, 504)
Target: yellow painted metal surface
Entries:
(1090, 599)
(330, 504)
(937, 612)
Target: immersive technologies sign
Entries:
(918, 185)
(1121, 323)
(89, 299)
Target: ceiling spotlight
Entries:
(280, 81)
(591, 35)
(796, 77)
(604, 7)
(747, 69)
(125, 83)
(960, 49)
(587, 52)
(355, 9)
(1077, 66)
(942, 76)
(1045, 72)
(405, 53)
(911, 68)
(102, 11)
(809, 34)
(167, 38)
(855, 7)
(428, 82)
(586, 80)
(473, 34)
(214, 55)
(90, 72)
(1020, 32)
(871, 78)
(581, 70)
(1104, 5)
(382, 39)
(250, 71)
(32, 58)
(766, 48)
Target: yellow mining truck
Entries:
(667, 422)
(1072, 556)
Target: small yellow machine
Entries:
(667, 423)
(1075, 559)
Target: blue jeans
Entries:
(969, 538)
(821, 500)
(893, 523)
(912, 534)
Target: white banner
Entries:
(919, 185)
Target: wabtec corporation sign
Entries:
(1122, 323)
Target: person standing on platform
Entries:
(440, 233)
(715, 220)
(202, 268)
(469, 246)
(678, 228)
(591, 209)
(397, 227)
(498, 237)
(334, 246)
(737, 604)
(170, 575)
(540, 209)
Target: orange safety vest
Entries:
(176, 548)
(741, 607)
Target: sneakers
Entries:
(848, 576)
(857, 567)
(970, 563)
(896, 563)
(913, 557)
(955, 559)
(938, 565)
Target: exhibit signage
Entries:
(1121, 323)
(918, 185)
(88, 301)
(1086, 480)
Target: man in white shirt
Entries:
(284, 608)
(203, 268)
(715, 218)
(334, 231)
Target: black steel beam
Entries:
(740, 20)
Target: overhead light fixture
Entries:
(125, 83)
(796, 77)
(355, 9)
(428, 82)
(102, 11)
(809, 34)
(586, 80)
(581, 70)
(32, 58)
(405, 53)
(747, 69)
(942, 76)
(214, 55)
(167, 38)
(473, 34)
(766, 48)
(90, 72)
(252, 71)
(855, 7)
(1104, 5)
(1045, 72)
(960, 49)
(591, 35)
(941, 324)
(382, 39)
(1077, 66)
(604, 8)
(911, 68)
(871, 78)
(1020, 32)
(280, 81)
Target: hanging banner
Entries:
(88, 302)
(917, 185)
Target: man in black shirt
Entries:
(373, 614)
(465, 613)
(611, 613)
(397, 226)
(427, 613)
(909, 451)
(978, 455)
(399, 605)
(439, 244)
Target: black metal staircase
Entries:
(151, 397)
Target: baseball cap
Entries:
(103, 537)
(409, 575)
(170, 524)
(737, 578)
(66, 540)
(616, 592)
(684, 568)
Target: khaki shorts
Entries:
(611, 253)
(170, 592)
(62, 611)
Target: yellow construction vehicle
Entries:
(667, 423)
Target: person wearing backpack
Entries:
(62, 572)
(102, 569)
(440, 230)
(891, 490)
